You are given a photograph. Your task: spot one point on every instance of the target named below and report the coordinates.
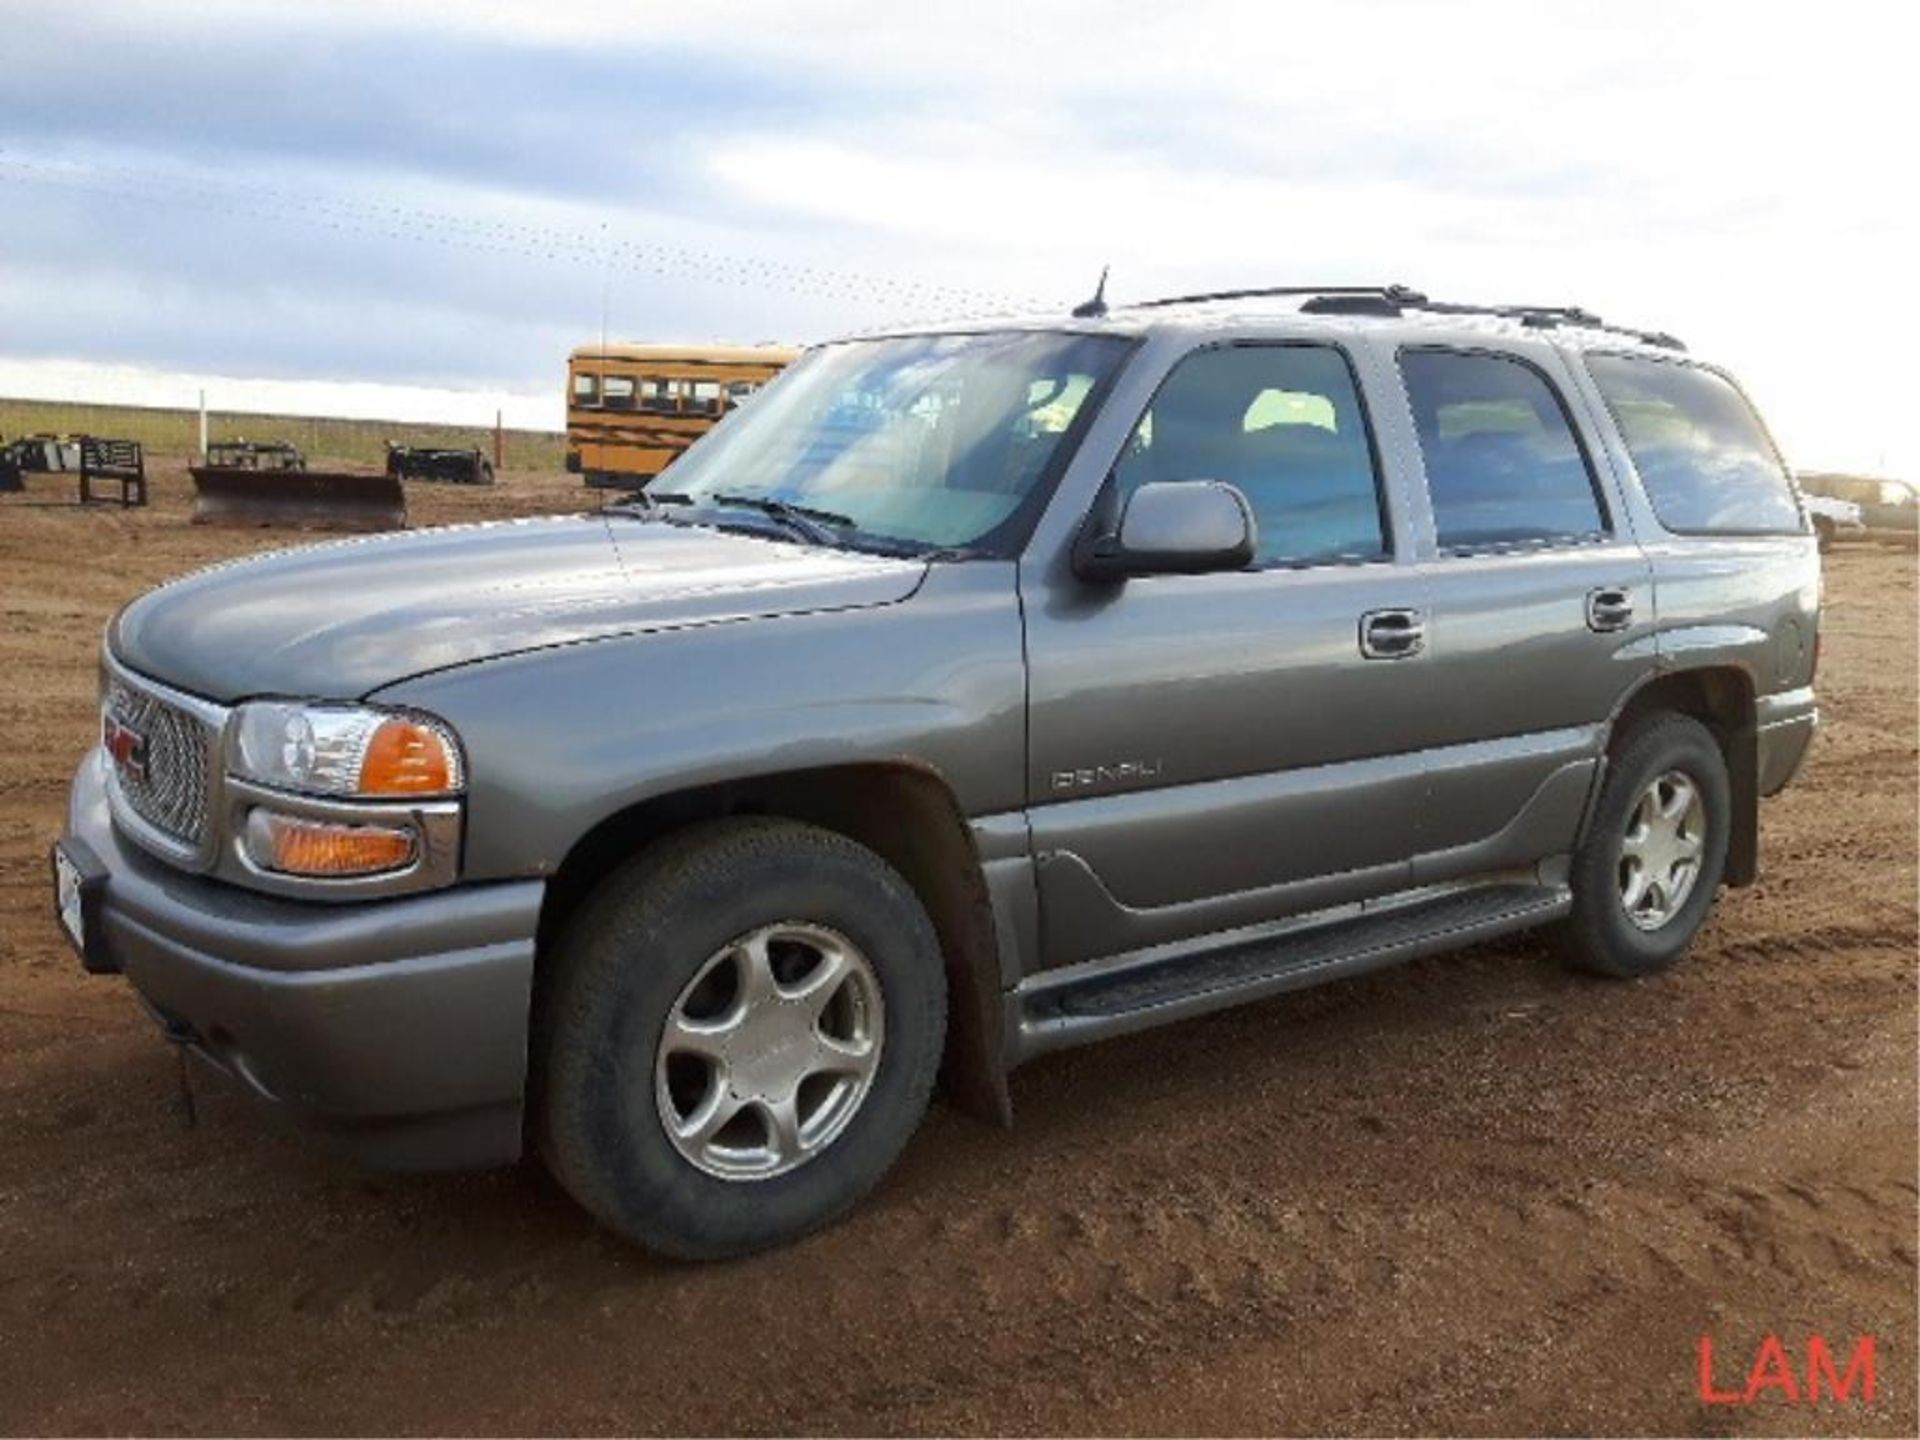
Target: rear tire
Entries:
(1645, 877)
(694, 982)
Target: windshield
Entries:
(932, 441)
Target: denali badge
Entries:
(126, 745)
(1121, 772)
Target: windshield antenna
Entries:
(1096, 307)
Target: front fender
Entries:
(560, 739)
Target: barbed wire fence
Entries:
(594, 248)
(588, 247)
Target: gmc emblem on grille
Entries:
(126, 745)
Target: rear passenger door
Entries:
(1542, 607)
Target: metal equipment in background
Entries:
(41, 455)
(254, 455)
(96, 461)
(248, 485)
(119, 463)
(453, 467)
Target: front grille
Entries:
(171, 795)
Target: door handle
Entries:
(1609, 608)
(1392, 634)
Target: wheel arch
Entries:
(903, 812)
(1722, 698)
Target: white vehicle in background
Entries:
(1888, 510)
(1833, 519)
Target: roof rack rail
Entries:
(1393, 294)
(1391, 300)
(1547, 317)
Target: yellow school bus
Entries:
(632, 408)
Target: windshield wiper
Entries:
(947, 554)
(646, 504)
(807, 521)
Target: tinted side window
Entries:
(1702, 456)
(1284, 424)
(1503, 466)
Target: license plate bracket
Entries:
(79, 881)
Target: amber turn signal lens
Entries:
(408, 758)
(293, 846)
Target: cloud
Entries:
(451, 193)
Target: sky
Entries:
(413, 209)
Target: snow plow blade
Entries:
(297, 499)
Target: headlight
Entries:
(347, 750)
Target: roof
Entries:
(695, 354)
(1388, 310)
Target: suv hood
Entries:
(340, 620)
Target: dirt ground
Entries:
(1472, 1195)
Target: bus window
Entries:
(739, 390)
(704, 397)
(660, 396)
(586, 389)
(619, 392)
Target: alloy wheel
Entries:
(769, 1051)
(1660, 852)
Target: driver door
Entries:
(1212, 751)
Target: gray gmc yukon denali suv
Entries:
(969, 695)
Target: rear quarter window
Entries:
(1704, 460)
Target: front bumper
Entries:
(396, 1028)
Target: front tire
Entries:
(741, 1029)
(1645, 877)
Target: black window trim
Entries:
(1773, 447)
(1388, 551)
(1609, 531)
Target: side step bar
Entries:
(1084, 1003)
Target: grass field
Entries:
(323, 441)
